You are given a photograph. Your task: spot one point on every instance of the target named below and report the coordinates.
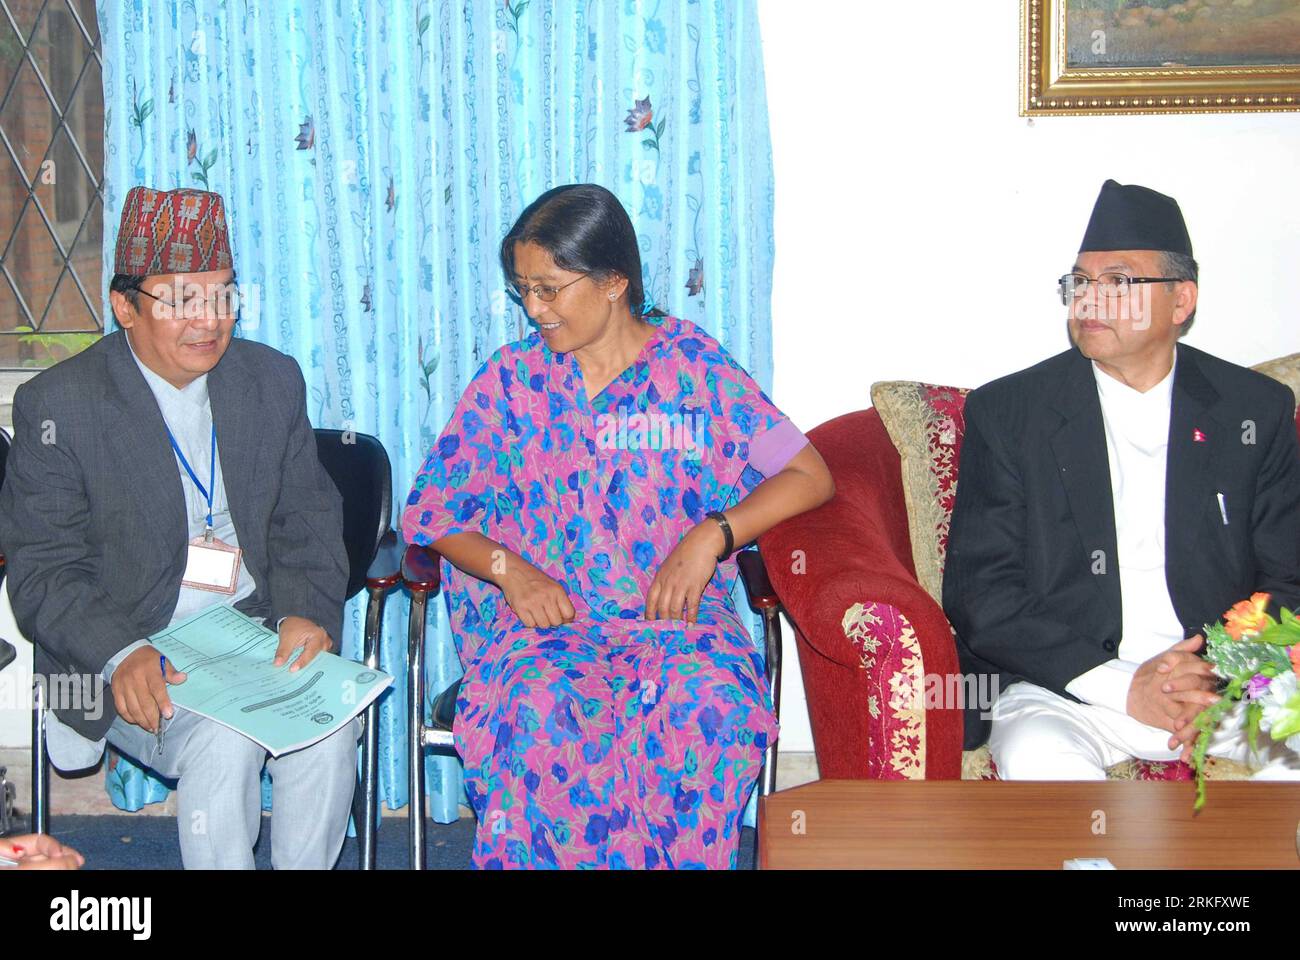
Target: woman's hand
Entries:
(680, 581)
(536, 599)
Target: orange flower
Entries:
(1295, 659)
(1248, 618)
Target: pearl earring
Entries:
(613, 296)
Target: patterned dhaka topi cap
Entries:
(172, 231)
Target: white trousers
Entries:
(1039, 735)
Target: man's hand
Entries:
(536, 599)
(680, 580)
(1191, 682)
(1185, 734)
(1186, 677)
(39, 852)
(301, 633)
(1170, 689)
(139, 692)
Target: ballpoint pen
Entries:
(162, 665)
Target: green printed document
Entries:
(227, 657)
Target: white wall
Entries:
(902, 168)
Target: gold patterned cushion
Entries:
(978, 765)
(1285, 369)
(926, 424)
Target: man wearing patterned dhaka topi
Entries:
(167, 450)
(588, 493)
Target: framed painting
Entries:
(1158, 56)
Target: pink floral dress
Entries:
(611, 741)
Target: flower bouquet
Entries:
(1259, 658)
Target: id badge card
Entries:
(212, 565)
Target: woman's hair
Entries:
(586, 230)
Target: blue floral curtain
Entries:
(372, 154)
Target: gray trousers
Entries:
(219, 793)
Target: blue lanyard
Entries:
(212, 479)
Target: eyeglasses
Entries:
(541, 291)
(1111, 286)
(222, 302)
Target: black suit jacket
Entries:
(92, 512)
(1031, 583)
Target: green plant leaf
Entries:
(55, 346)
(1290, 724)
(1253, 714)
(1286, 633)
(1207, 721)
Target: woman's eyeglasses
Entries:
(544, 293)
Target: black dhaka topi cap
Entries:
(1129, 217)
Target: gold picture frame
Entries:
(1057, 79)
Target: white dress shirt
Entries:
(1137, 442)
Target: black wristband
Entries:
(730, 540)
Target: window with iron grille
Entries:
(51, 201)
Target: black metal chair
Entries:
(422, 577)
(7, 656)
(7, 792)
(40, 760)
(764, 601)
(359, 467)
(4, 458)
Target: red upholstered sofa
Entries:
(867, 632)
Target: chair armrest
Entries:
(758, 588)
(386, 568)
(443, 714)
(859, 618)
(420, 569)
(823, 562)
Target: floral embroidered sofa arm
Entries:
(868, 634)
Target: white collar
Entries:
(1115, 391)
(194, 393)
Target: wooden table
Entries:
(976, 824)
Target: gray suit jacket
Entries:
(92, 514)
